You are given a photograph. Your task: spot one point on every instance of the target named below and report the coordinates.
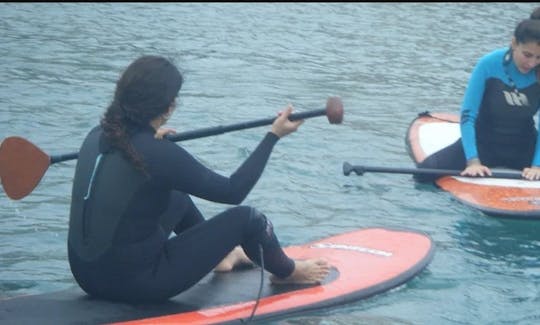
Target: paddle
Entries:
(22, 164)
(360, 170)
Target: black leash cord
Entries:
(260, 288)
(427, 113)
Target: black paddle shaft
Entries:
(201, 133)
(360, 170)
(239, 126)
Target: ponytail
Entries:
(528, 30)
(145, 91)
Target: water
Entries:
(245, 61)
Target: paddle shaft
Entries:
(360, 170)
(206, 132)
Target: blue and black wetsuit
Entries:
(497, 118)
(120, 241)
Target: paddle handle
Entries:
(360, 170)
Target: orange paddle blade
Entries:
(22, 165)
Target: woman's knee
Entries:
(253, 222)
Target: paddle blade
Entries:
(22, 165)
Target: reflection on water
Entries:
(502, 244)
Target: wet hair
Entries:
(528, 30)
(145, 90)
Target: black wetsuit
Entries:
(120, 242)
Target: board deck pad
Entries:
(364, 262)
(511, 198)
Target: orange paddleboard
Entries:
(365, 262)
(513, 198)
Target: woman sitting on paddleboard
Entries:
(132, 190)
(497, 113)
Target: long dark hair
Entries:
(146, 90)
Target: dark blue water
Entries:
(387, 61)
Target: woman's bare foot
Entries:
(305, 272)
(235, 258)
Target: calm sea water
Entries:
(245, 61)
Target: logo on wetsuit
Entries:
(515, 98)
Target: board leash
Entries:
(260, 288)
(428, 114)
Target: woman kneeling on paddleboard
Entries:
(497, 113)
(132, 190)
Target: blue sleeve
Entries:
(470, 107)
(536, 158)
